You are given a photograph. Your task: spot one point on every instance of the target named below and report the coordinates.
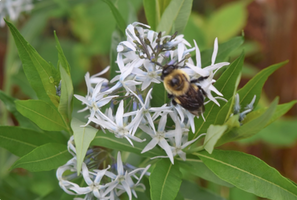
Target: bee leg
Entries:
(203, 92)
(170, 96)
(174, 102)
(201, 78)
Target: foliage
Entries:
(48, 121)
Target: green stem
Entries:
(9, 70)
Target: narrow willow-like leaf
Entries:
(225, 112)
(159, 95)
(44, 158)
(190, 190)
(65, 105)
(281, 110)
(39, 73)
(165, 180)
(62, 58)
(198, 168)
(218, 23)
(115, 40)
(281, 133)
(117, 15)
(108, 140)
(249, 173)
(176, 16)
(255, 85)
(83, 136)
(163, 4)
(250, 128)
(10, 106)
(42, 114)
(21, 141)
(235, 193)
(227, 85)
(224, 50)
(152, 13)
(213, 134)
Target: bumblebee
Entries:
(182, 90)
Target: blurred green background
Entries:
(86, 31)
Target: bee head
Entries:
(167, 70)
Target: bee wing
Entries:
(193, 101)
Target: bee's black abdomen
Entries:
(193, 100)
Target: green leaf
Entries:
(225, 112)
(83, 136)
(227, 21)
(66, 103)
(108, 140)
(39, 73)
(198, 168)
(115, 40)
(281, 110)
(10, 105)
(227, 85)
(195, 31)
(249, 173)
(62, 58)
(152, 13)
(159, 96)
(192, 191)
(236, 193)
(117, 15)
(250, 128)
(281, 133)
(21, 141)
(213, 134)
(224, 51)
(255, 85)
(44, 158)
(175, 16)
(44, 115)
(165, 180)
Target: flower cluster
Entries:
(122, 106)
(108, 183)
(13, 8)
(247, 109)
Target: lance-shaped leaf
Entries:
(9, 103)
(249, 173)
(83, 136)
(159, 96)
(152, 13)
(65, 105)
(224, 50)
(44, 158)
(196, 167)
(255, 85)
(115, 40)
(190, 190)
(227, 85)
(281, 110)
(176, 16)
(165, 180)
(62, 58)
(117, 15)
(40, 74)
(225, 112)
(251, 127)
(218, 23)
(43, 114)
(108, 140)
(213, 134)
(21, 141)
